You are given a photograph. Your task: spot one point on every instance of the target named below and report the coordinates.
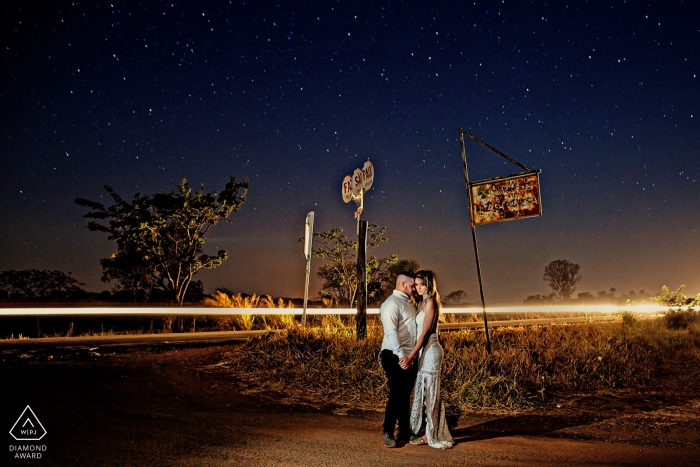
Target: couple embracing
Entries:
(411, 356)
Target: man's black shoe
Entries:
(388, 440)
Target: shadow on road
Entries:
(527, 425)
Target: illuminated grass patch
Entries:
(529, 366)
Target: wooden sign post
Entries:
(354, 188)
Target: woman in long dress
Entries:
(426, 396)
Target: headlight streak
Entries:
(214, 311)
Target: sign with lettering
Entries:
(347, 188)
(361, 179)
(505, 198)
(357, 179)
(367, 175)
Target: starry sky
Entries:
(603, 97)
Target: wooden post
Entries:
(361, 316)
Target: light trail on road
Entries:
(214, 311)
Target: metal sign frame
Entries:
(469, 186)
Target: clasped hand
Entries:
(405, 363)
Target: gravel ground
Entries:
(153, 405)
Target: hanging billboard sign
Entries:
(505, 198)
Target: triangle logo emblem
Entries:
(28, 427)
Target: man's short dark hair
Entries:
(410, 274)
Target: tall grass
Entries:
(246, 322)
(528, 366)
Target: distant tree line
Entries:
(40, 285)
(562, 276)
(43, 285)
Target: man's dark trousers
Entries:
(398, 407)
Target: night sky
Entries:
(602, 96)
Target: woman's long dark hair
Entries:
(429, 279)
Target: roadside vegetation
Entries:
(327, 367)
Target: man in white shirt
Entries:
(398, 317)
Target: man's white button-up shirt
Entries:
(398, 317)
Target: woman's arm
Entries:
(429, 311)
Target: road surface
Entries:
(125, 406)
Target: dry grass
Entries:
(529, 366)
(246, 322)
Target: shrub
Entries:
(680, 319)
(628, 318)
(676, 317)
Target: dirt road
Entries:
(154, 406)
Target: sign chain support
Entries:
(496, 200)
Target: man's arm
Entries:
(390, 316)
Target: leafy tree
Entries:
(34, 284)
(455, 298)
(389, 281)
(160, 237)
(339, 273)
(562, 277)
(398, 267)
(675, 298)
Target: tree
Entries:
(562, 277)
(455, 298)
(339, 274)
(396, 268)
(160, 237)
(392, 272)
(34, 284)
(675, 298)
